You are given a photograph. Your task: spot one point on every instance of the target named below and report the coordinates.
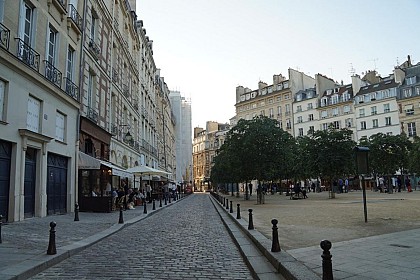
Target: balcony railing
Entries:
(94, 49)
(60, 4)
(28, 55)
(52, 74)
(114, 129)
(75, 17)
(4, 37)
(126, 91)
(71, 89)
(115, 76)
(92, 114)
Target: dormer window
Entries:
(373, 96)
(410, 80)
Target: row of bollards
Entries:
(327, 273)
(1, 222)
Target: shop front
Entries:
(97, 180)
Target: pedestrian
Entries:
(399, 184)
(381, 184)
(250, 189)
(408, 185)
(340, 185)
(346, 185)
(149, 193)
(313, 186)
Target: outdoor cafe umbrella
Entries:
(141, 170)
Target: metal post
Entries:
(1, 223)
(166, 199)
(160, 201)
(121, 220)
(227, 204)
(154, 205)
(231, 208)
(362, 182)
(238, 211)
(250, 223)
(52, 250)
(327, 273)
(145, 208)
(275, 247)
(76, 212)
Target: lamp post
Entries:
(362, 168)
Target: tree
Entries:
(414, 156)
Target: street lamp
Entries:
(362, 168)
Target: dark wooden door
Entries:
(56, 184)
(30, 180)
(5, 155)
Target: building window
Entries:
(324, 114)
(335, 112)
(90, 90)
(262, 113)
(279, 111)
(373, 110)
(70, 64)
(26, 25)
(411, 80)
(375, 123)
(361, 112)
(412, 129)
(349, 123)
(363, 125)
(336, 124)
(287, 109)
(93, 26)
(388, 121)
(2, 100)
(33, 114)
(335, 99)
(286, 96)
(346, 109)
(407, 92)
(299, 119)
(288, 124)
(325, 126)
(386, 108)
(311, 130)
(409, 109)
(60, 121)
(271, 112)
(299, 108)
(311, 117)
(310, 106)
(417, 90)
(52, 45)
(300, 131)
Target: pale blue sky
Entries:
(205, 48)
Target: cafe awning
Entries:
(88, 162)
(117, 171)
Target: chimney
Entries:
(261, 85)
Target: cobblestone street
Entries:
(185, 241)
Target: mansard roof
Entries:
(386, 84)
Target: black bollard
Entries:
(327, 273)
(224, 202)
(154, 205)
(76, 212)
(160, 201)
(1, 222)
(231, 208)
(166, 200)
(275, 247)
(52, 250)
(145, 208)
(227, 204)
(121, 220)
(250, 223)
(238, 211)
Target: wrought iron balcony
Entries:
(92, 114)
(71, 89)
(115, 75)
(52, 74)
(75, 17)
(94, 49)
(28, 55)
(126, 91)
(114, 129)
(4, 37)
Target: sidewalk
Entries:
(386, 247)
(23, 251)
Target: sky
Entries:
(206, 48)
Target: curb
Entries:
(283, 262)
